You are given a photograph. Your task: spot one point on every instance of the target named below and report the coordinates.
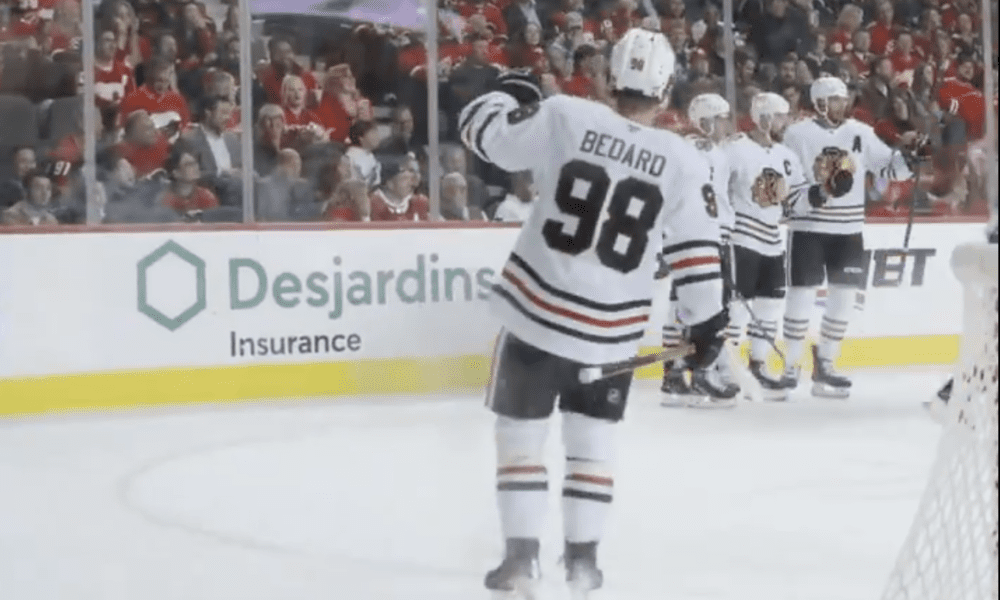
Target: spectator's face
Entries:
(677, 35)
(160, 81)
(928, 71)
(905, 43)
(851, 20)
(676, 8)
(107, 45)
(282, 54)
(224, 87)
(885, 12)
(40, 191)
(404, 123)
(532, 35)
(401, 185)
(932, 19)
(188, 171)
(273, 126)
(821, 43)
(25, 161)
(291, 164)
(966, 70)
(793, 96)
(778, 8)
(219, 117)
(748, 70)
(372, 139)
(627, 5)
(454, 161)
(192, 14)
(964, 24)
(862, 41)
(787, 71)
(295, 94)
(481, 50)
(884, 69)
(144, 130)
(168, 47)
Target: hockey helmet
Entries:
(642, 62)
(767, 105)
(707, 106)
(827, 87)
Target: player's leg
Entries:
(806, 272)
(675, 387)
(845, 268)
(728, 365)
(768, 305)
(590, 416)
(522, 393)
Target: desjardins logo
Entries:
(148, 268)
(179, 275)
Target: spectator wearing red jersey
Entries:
(960, 98)
(624, 16)
(527, 51)
(480, 28)
(925, 39)
(883, 30)
(589, 79)
(395, 199)
(64, 34)
(348, 201)
(144, 146)
(184, 195)
(113, 79)
(860, 56)
(132, 48)
(282, 63)
(491, 13)
(302, 126)
(338, 106)
(851, 19)
(167, 108)
(195, 37)
(905, 60)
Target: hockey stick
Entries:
(592, 374)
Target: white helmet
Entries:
(642, 61)
(707, 106)
(767, 104)
(827, 87)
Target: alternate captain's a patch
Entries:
(523, 113)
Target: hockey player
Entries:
(709, 117)
(826, 228)
(577, 288)
(764, 173)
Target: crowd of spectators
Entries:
(339, 115)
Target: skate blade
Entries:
(674, 400)
(820, 390)
(775, 395)
(708, 403)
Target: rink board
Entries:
(102, 320)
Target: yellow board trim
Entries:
(162, 387)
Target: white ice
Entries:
(391, 498)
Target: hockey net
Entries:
(951, 550)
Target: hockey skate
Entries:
(675, 388)
(518, 577)
(775, 390)
(827, 383)
(582, 574)
(710, 389)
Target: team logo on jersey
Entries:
(769, 189)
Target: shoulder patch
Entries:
(523, 113)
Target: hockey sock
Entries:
(738, 319)
(798, 306)
(587, 490)
(839, 304)
(765, 328)
(673, 335)
(522, 479)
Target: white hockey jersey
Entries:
(719, 172)
(579, 282)
(758, 225)
(844, 215)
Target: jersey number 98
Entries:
(588, 209)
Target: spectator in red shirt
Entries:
(526, 51)
(924, 40)
(184, 195)
(338, 105)
(302, 126)
(850, 20)
(196, 39)
(395, 199)
(623, 17)
(348, 201)
(167, 108)
(905, 60)
(860, 57)
(144, 146)
(490, 12)
(113, 79)
(282, 63)
(480, 28)
(588, 80)
(132, 48)
(883, 30)
(64, 33)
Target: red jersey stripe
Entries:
(565, 312)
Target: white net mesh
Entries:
(951, 551)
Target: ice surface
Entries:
(391, 498)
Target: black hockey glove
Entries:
(706, 337)
(523, 85)
(816, 196)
